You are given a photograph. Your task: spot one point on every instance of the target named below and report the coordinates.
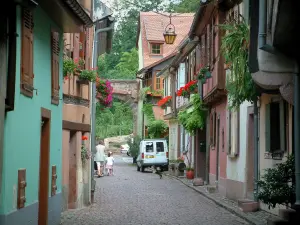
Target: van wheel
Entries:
(142, 169)
(138, 168)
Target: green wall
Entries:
(23, 125)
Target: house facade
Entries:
(153, 52)
(76, 123)
(31, 183)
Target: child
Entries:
(109, 163)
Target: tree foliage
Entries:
(114, 121)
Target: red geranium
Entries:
(187, 89)
(84, 138)
(164, 101)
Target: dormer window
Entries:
(156, 48)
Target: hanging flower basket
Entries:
(165, 102)
(203, 72)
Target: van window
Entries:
(149, 147)
(159, 147)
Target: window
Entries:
(233, 131)
(27, 53)
(55, 68)
(159, 147)
(156, 49)
(149, 147)
(148, 80)
(158, 82)
(275, 126)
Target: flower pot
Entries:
(83, 81)
(190, 174)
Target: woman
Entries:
(100, 157)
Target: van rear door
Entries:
(161, 150)
(149, 152)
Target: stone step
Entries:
(247, 205)
(277, 222)
(198, 182)
(211, 189)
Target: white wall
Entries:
(236, 166)
(173, 136)
(140, 51)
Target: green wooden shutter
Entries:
(282, 126)
(268, 128)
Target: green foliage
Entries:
(134, 146)
(277, 185)
(89, 75)
(114, 121)
(240, 85)
(126, 68)
(148, 111)
(185, 6)
(68, 66)
(193, 119)
(143, 93)
(157, 128)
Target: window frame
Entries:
(160, 48)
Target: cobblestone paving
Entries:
(130, 197)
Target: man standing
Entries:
(100, 157)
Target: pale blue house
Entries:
(31, 129)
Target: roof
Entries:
(80, 12)
(152, 25)
(145, 69)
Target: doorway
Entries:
(200, 156)
(44, 167)
(72, 171)
(218, 150)
(250, 157)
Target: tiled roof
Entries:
(152, 27)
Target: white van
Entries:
(153, 152)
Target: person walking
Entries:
(110, 163)
(100, 157)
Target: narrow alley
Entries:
(132, 197)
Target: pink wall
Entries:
(220, 110)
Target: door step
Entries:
(247, 205)
(211, 189)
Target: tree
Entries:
(185, 6)
(114, 121)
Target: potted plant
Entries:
(68, 67)
(87, 76)
(165, 102)
(189, 173)
(85, 153)
(203, 73)
(188, 89)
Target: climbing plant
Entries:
(234, 48)
(194, 118)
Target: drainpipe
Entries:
(93, 97)
(256, 154)
(296, 120)
(262, 28)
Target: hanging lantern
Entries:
(169, 33)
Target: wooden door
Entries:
(44, 167)
(72, 171)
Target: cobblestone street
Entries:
(131, 197)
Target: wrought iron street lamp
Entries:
(169, 33)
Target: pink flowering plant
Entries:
(105, 93)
